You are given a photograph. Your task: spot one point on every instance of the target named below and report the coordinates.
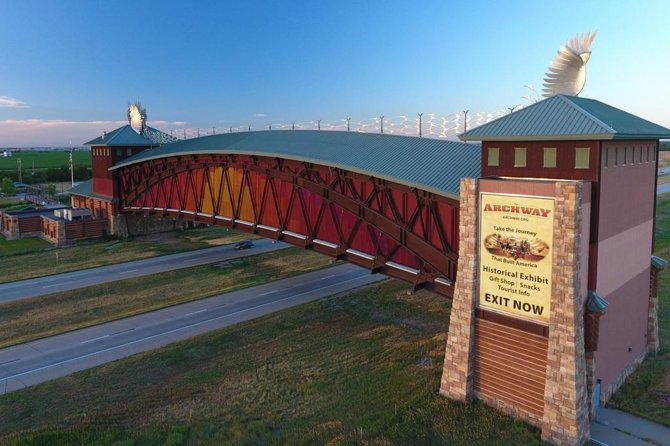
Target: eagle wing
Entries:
(565, 75)
(137, 116)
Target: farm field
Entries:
(43, 159)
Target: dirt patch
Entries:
(164, 238)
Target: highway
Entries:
(94, 276)
(49, 358)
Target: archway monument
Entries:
(557, 192)
(552, 306)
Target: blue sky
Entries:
(68, 68)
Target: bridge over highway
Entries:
(385, 202)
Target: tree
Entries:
(7, 186)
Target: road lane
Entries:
(49, 358)
(93, 276)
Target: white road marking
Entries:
(195, 312)
(190, 260)
(94, 339)
(269, 292)
(129, 271)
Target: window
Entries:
(616, 156)
(129, 151)
(493, 157)
(606, 157)
(640, 156)
(119, 151)
(647, 153)
(549, 157)
(519, 157)
(653, 154)
(582, 157)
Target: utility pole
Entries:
(18, 164)
(465, 120)
(71, 169)
(420, 124)
(381, 120)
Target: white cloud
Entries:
(60, 132)
(7, 102)
(259, 115)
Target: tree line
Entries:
(49, 175)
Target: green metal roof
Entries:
(563, 117)
(430, 164)
(86, 189)
(123, 136)
(658, 262)
(595, 302)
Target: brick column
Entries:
(13, 232)
(566, 405)
(458, 372)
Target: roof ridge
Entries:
(117, 132)
(585, 113)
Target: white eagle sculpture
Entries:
(567, 72)
(137, 116)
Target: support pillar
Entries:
(566, 404)
(458, 373)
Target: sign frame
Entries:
(515, 256)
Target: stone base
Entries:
(128, 225)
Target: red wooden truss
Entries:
(387, 227)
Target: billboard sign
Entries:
(515, 246)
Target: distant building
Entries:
(7, 153)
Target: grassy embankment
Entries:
(34, 257)
(647, 391)
(29, 319)
(363, 368)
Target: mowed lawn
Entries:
(362, 368)
(29, 319)
(647, 391)
(34, 257)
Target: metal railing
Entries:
(429, 125)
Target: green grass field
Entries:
(43, 160)
(29, 319)
(33, 257)
(362, 368)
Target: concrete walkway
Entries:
(616, 428)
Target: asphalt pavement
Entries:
(616, 428)
(94, 276)
(49, 358)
